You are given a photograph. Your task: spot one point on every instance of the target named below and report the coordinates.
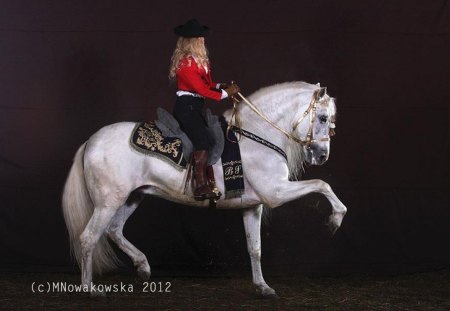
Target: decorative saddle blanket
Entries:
(147, 138)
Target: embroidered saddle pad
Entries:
(147, 138)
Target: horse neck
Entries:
(282, 107)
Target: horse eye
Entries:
(323, 119)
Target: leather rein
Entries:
(311, 110)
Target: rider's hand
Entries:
(223, 86)
(232, 89)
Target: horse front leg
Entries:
(252, 225)
(289, 191)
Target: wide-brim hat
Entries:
(192, 29)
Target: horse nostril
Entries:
(323, 157)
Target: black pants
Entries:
(189, 113)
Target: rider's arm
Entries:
(192, 78)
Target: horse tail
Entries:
(77, 209)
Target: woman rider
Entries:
(190, 66)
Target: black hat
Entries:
(192, 29)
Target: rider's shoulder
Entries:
(187, 61)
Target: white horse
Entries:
(108, 179)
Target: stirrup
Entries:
(215, 190)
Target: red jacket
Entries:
(195, 79)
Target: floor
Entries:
(420, 291)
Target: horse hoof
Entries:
(143, 275)
(332, 228)
(267, 292)
(333, 225)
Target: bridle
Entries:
(311, 110)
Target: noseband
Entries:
(311, 110)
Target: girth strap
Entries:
(258, 140)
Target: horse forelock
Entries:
(330, 105)
(333, 112)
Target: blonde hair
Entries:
(188, 47)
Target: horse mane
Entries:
(298, 85)
(295, 154)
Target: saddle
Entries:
(170, 127)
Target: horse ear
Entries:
(322, 92)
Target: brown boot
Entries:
(212, 181)
(202, 190)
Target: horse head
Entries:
(322, 119)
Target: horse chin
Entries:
(315, 155)
(320, 162)
(312, 160)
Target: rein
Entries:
(311, 110)
(258, 140)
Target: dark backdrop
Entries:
(68, 68)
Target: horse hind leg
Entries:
(96, 226)
(115, 233)
(252, 225)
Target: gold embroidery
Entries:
(152, 140)
(232, 170)
(234, 177)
